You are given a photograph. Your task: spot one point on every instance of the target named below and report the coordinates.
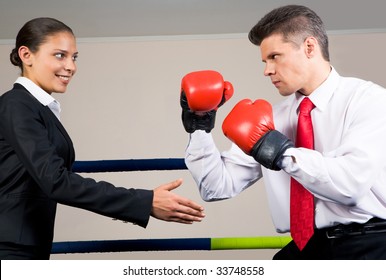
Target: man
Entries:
(337, 163)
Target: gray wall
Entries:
(124, 103)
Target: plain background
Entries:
(123, 103)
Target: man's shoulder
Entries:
(360, 86)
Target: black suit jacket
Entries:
(36, 155)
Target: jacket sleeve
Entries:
(24, 125)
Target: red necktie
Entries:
(302, 201)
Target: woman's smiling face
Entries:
(52, 66)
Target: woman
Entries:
(36, 154)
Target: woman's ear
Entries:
(25, 55)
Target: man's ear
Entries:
(25, 55)
(310, 45)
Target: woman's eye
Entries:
(75, 58)
(59, 55)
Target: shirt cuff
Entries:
(200, 139)
(288, 161)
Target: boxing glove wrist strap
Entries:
(192, 121)
(270, 148)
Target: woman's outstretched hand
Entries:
(170, 207)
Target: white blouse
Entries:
(42, 96)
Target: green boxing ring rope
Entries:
(172, 244)
(262, 242)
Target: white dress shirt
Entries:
(42, 96)
(346, 172)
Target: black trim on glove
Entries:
(270, 148)
(192, 121)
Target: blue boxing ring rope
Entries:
(173, 244)
(129, 165)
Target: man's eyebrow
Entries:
(269, 56)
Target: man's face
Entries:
(285, 64)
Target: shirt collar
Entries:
(324, 92)
(42, 96)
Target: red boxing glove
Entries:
(205, 90)
(202, 93)
(250, 126)
(248, 122)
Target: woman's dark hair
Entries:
(34, 33)
(293, 22)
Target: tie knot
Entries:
(306, 106)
